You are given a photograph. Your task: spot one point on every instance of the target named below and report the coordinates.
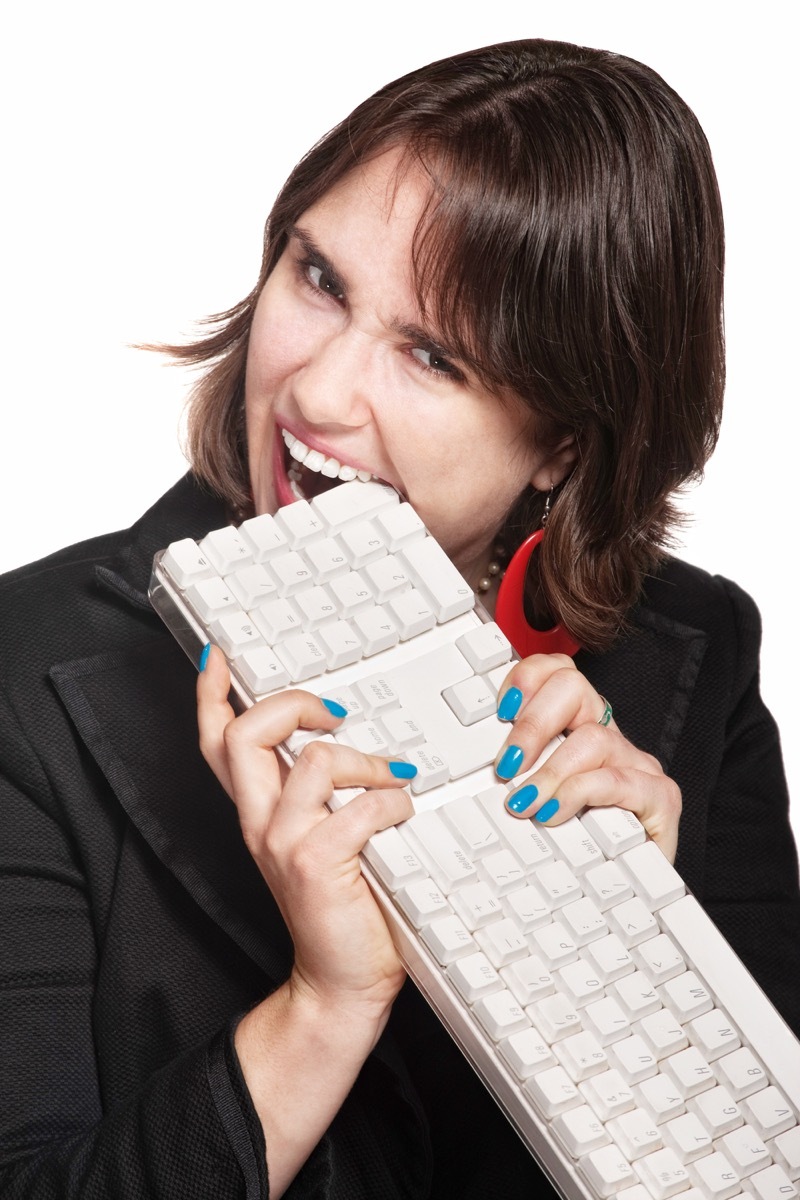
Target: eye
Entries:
(434, 361)
(323, 281)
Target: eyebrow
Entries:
(412, 332)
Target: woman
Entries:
(496, 286)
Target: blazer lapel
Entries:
(649, 677)
(134, 711)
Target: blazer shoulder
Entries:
(691, 596)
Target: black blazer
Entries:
(136, 928)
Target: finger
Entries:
(321, 767)
(214, 711)
(344, 833)
(596, 769)
(561, 698)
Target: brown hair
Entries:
(572, 251)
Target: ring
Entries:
(608, 712)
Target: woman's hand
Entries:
(301, 1048)
(344, 954)
(595, 765)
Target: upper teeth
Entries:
(315, 461)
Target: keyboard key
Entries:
(411, 613)
(690, 1071)
(769, 1112)
(251, 585)
(438, 849)
(659, 958)
(434, 574)
(477, 905)
(471, 700)
(500, 1015)
(299, 523)
(264, 537)
(663, 1032)
(772, 1184)
(686, 996)
(659, 1096)
(485, 647)
(581, 1056)
(529, 979)
(614, 829)
(474, 976)
(574, 845)
(653, 876)
(718, 1111)
(470, 825)
(502, 942)
(399, 524)
(687, 1136)
(528, 908)
(349, 501)
(261, 670)
(448, 938)
(234, 632)
(715, 1176)
(606, 884)
(633, 921)
(302, 655)
(713, 1034)
(552, 1091)
(432, 767)
(633, 1058)
(386, 577)
(211, 597)
(392, 859)
(187, 563)
(662, 1173)
(608, 1094)
(606, 1020)
(422, 901)
(527, 1053)
(636, 1133)
(786, 1152)
(580, 1131)
(226, 549)
(607, 1170)
(745, 1149)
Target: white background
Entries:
(143, 146)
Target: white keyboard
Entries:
(612, 1022)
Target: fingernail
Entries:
(547, 811)
(510, 763)
(522, 800)
(203, 659)
(509, 705)
(402, 770)
(333, 706)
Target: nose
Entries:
(336, 385)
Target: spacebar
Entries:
(737, 992)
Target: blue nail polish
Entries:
(204, 653)
(402, 770)
(547, 811)
(334, 707)
(521, 801)
(509, 705)
(510, 763)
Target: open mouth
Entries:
(310, 472)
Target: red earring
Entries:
(509, 610)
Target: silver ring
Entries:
(608, 712)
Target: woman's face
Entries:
(338, 358)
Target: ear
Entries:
(555, 465)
